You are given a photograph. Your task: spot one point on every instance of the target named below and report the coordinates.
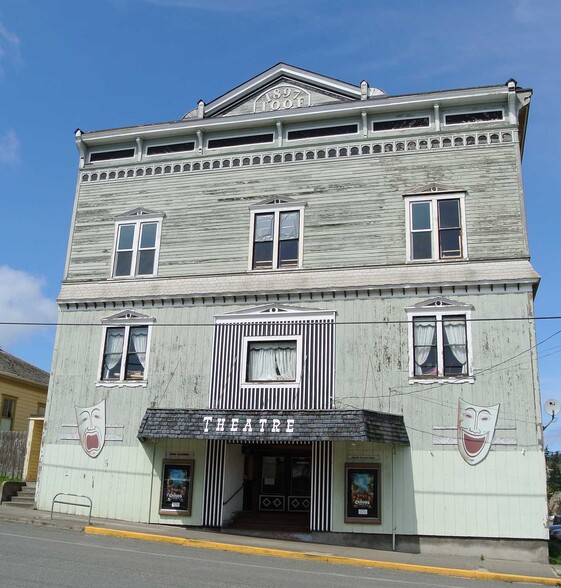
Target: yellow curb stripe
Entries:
(318, 557)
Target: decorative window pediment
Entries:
(433, 189)
(440, 303)
(128, 316)
(276, 312)
(140, 213)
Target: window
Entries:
(170, 148)
(322, 132)
(7, 414)
(125, 353)
(440, 346)
(471, 117)
(137, 241)
(108, 155)
(241, 140)
(276, 236)
(271, 361)
(436, 227)
(439, 340)
(400, 123)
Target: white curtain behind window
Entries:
(113, 351)
(138, 341)
(424, 338)
(455, 331)
(271, 362)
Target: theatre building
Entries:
(306, 307)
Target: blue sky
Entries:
(66, 64)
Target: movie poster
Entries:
(176, 487)
(362, 493)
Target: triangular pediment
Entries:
(140, 212)
(433, 189)
(283, 87)
(441, 303)
(128, 316)
(276, 312)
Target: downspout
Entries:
(393, 497)
(154, 441)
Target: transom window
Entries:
(124, 353)
(137, 242)
(276, 237)
(436, 228)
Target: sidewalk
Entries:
(467, 567)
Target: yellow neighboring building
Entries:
(23, 397)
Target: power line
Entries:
(336, 323)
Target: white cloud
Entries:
(22, 301)
(9, 147)
(9, 46)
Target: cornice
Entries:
(375, 105)
(437, 279)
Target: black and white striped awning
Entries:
(273, 426)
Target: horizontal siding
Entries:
(355, 213)
(371, 366)
(28, 398)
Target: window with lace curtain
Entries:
(440, 346)
(440, 340)
(124, 353)
(271, 361)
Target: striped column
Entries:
(322, 486)
(214, 483)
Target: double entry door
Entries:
(278, 480)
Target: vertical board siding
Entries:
(214, 483)
(322, 486)
(315, 391)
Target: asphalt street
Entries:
(36, 556)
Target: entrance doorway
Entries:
(277, 485)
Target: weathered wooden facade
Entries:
(306, 300)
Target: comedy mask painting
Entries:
(476, 429)
(91, 427)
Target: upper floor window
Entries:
(276, 235)
(472, 117)
(125, 348)
(271, 361)
(436, 227)
(137, 240)
(439, 340)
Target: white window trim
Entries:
(137, 221)
(440, 311)
(433, 198)
(473, 111)
(276, 209)
(126, 320)
(271, 339)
